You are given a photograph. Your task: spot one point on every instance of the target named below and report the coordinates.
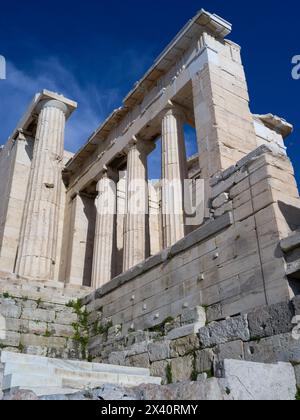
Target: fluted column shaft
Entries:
(105, 233)
(136, 229)
(38, 241)
(174, 172)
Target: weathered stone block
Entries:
(9, 309)
(117, 358)
(204, 360)
(66, 317)
(10, 339)
(254, 381)
(159, 370)
(214, 312)
(273, 320)
(185, 345)
(37, 328)
(196, 315)
(137, 337)
(61, 330)
(184, 331)
(232, 350)
(222, 332)
(282, 348)
(40, 315)
(139, 360)
(138, 348)
(159, 351)
(182, 368)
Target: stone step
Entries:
(10, 359)
(18, 380)
(73, 381)
(122, 380)
(52, 376)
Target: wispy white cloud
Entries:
(17, 91)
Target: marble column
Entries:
(174, 172)
(105, 232)
(38, 240)
(136, 230)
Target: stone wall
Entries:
(232, 264)
(190, 348)
(38, 318)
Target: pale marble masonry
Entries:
(38, 238)
(174, 172)
(105, 230)
(136, 228)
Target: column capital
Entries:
(175, 110)
(143, 146)
(107, 173)
(52, 103)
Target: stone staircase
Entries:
(46, 376)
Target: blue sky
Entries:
(94, 51)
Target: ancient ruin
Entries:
(180, 277)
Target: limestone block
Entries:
(17, 325)
(182, 368)
(28, 304)
(10, 339)
(184, 331)
(273, 320)
(138, 348)
(214, 312)
(159, 351)
(159, 369)
(282, 348)
(9, 308)
(117, 358)
(40, 315)
(185, 345)
(220, 200)
(196, 315)
(66, 318)
(233, 350)
(58, 330)
(255, 381)
(137, 337)
(35, 350)
(204, 360)
(37, 328)
(139, 360)
(40, 341)
(231, 329)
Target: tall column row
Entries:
(136, 225)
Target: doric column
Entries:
(105, 233)
(174, 172)
(38, 241)
(136, 231)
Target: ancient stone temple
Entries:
(163, 283)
